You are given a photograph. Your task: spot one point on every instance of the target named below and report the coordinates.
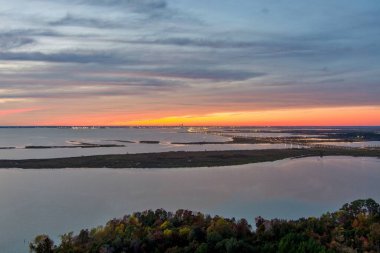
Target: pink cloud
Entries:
(17, 111)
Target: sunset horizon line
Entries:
(179, 125)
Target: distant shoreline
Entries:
(184, 159)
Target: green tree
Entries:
(202, 248)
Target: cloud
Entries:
(9, 41)
(11, 100)
(147, 7)
(17, 111)
(212, 74)
(155, 53)
(151, 9)
(30, 32)
(65, 57)
(200, 42)
(70, 20)
(141, 5)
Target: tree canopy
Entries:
(353, 228)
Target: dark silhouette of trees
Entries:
(42, 244)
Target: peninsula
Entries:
(186, 159)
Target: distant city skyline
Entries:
(166, 62)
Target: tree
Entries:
(42, 244)
(374, 235)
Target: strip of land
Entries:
(275, 140)
(183, 159)
(77, 146)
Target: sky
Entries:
(166, 62)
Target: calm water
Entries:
(21, 137)
(58, 201)
(273, 134)
(361, 144)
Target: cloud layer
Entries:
(162, 57)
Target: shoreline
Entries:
(181, 159)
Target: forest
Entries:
(355, 227)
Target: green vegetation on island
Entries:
(354, 228)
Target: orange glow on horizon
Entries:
(17, 111)
(338, 116)
(343, 116)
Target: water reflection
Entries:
(57, 201)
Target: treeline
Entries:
(354, 228)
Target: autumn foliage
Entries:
(354, 228)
